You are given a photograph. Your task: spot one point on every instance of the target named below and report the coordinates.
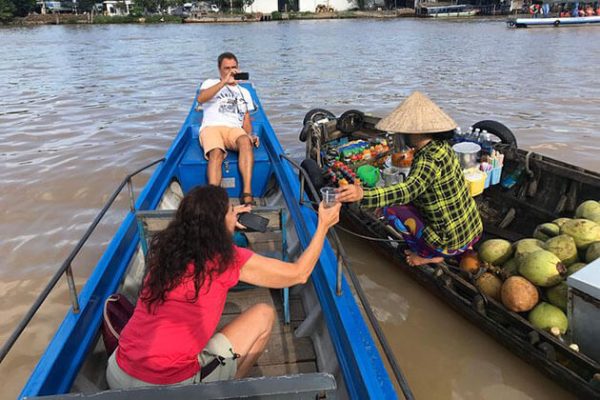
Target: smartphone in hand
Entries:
(253, 222)
(241, 76)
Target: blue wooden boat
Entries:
(345, 361)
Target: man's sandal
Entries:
(244, 197)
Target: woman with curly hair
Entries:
(171, 338)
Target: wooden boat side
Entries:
(560, 188)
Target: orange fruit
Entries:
(470, 261)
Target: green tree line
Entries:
(21, 8)
(15, 8)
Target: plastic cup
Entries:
(328, 195)
(391, 176)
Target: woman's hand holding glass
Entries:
(329, 216)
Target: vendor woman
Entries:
(432, 208)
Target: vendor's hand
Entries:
(350, 193)
(255, 140)
(240, 210)
(329, 216)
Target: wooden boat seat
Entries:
(193, 165)
(272, 243)
(311, 386)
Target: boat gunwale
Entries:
(361, 364)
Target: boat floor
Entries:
(285, 353)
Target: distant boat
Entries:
(552, 21)
(435, 10)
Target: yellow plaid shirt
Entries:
(436, 187)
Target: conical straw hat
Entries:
(417, 114)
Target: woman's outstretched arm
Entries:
(273, 273)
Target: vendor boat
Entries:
(532, 189)
(322, 346)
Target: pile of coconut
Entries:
(528, 275)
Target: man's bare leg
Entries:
(249, 334)
(213, 171)
(246, 164)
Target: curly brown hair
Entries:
(198, 234)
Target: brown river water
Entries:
(82, 106)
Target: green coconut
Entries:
(546, 316)
(518, 294)
(561, 221)
(563, 246)
(490, 285)
(546, 231)
(510, 268)
(589, 209)
(495, 251)
(542, 268)
(557, 295)
(526, 246)
(584, 231)
(593, 252)
(575, 267)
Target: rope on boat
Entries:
(398, 374)
(374, 239)
(400, 378)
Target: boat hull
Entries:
(361, 366)
(550, 190)
(553, 22)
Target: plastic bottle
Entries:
(458, 135)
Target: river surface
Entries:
(82, 106)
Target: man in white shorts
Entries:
(226, 124)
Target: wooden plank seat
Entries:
(311, 386)
(272, 243)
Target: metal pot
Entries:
(467, 153)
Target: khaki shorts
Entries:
(217, 345)
(220, 137)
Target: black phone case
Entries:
(253, 222)
(241, 76)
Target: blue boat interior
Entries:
(335, 355)
(193, 165)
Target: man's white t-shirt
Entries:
(227, 107)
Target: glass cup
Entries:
(328, 195)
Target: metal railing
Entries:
(66, 268)
(343, 260)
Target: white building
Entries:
(262, 6)
(337, 5)
(115, 7)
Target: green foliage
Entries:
(275, 15)
(23, 7)
(86, 5)
(150, 6)
(7, 10)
